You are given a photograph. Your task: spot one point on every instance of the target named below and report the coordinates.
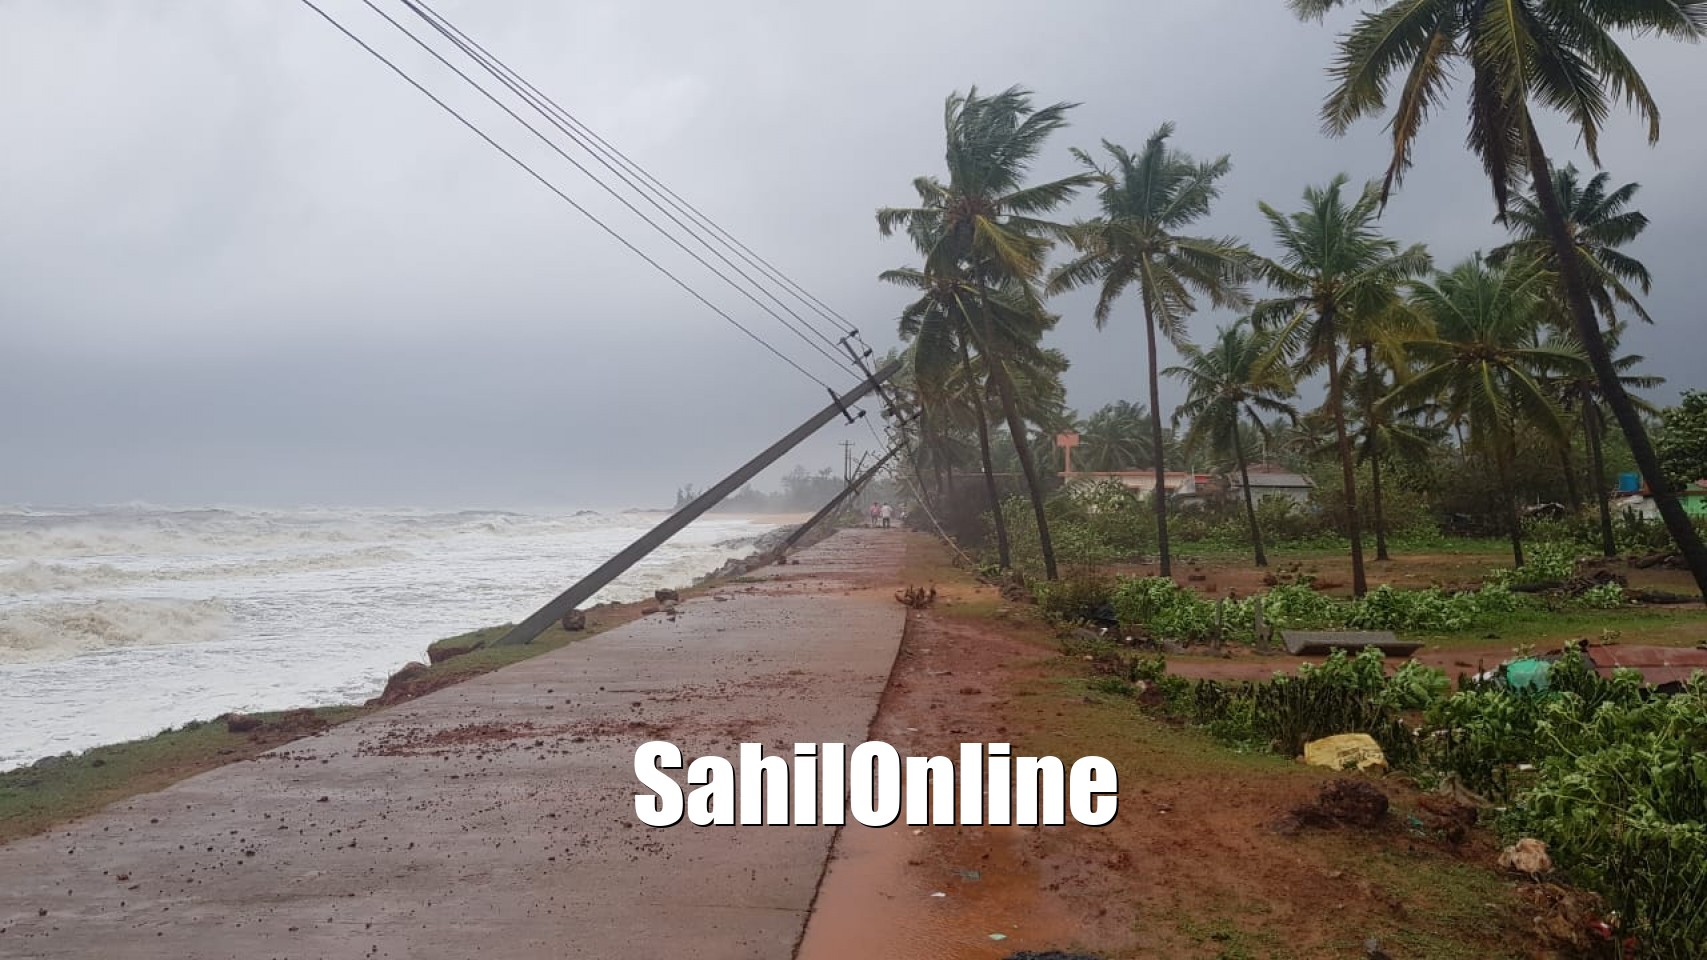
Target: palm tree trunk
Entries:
(1348, 469)
(1514, 521)
(1027, 463)
(1250, 501)
(1374, 453)
(1004, 554)
(1602, 496)
(1157, 452)
(1380, 507)
(1568, 466)
(1600, 358)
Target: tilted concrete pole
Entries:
(616, 566)
(837, 500)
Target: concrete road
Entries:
(495, 819)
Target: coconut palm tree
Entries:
(1556, 55)
(938, 433)
(1483, 366)
(1600, 223)
(1147, 201)
(1334, 270)
(1238, 377)
(1386, 431)
(938, 326)
(1042, 401)
(1309, 440)
(1116, 437)
(1575, 387)
(982, 229)
(1378, 338)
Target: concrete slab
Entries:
(495, 818)
(1311, 643)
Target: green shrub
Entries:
(1076, 597)
(1550, 561)
(1620, 798)
(1113, 686)
(1481, 736)
(1610, 775)
(1415, 686)
(1606, 596)
(1164, 609)
(1297, 606)
(1638, 534)
(1341, 695)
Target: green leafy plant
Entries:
(1620, 798)
(1550, 561)
(1076, 597)
(1606, 596)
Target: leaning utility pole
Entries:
(616, 566)
(852, 488)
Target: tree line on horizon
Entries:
(1510, 351)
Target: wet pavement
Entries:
(496, 818)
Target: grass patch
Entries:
(1482, 551)
(1223, 939)
(35, 798)
(1460, 902)
(1550, 628)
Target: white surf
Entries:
(118, 623)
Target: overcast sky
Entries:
(242, 262)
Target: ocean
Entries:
(117, 623)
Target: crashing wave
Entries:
(57, 631)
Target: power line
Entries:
(560, 116)
(561, 195)
(612, 159)
(603, 185)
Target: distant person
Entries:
(886, 513)
(902, 516)
(871, 514)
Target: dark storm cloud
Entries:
(241, 262)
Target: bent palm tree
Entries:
(982, 230)
(1558, 55)
(1238, 377)
(1334, 269)
(937, 325)
(1147, 200)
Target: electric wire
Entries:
(678, 281)
(617, 195)
(645, 185)
(604, 150)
